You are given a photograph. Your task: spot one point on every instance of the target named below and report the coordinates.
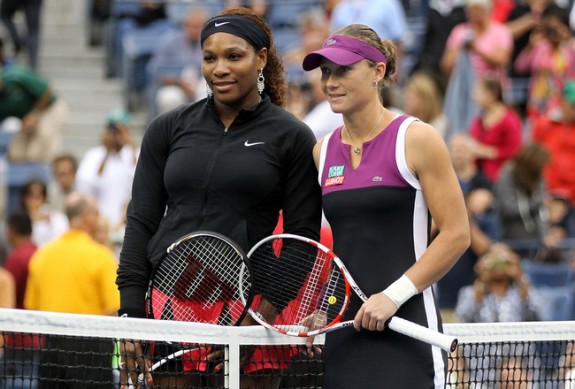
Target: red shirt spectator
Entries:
(558, 136)
(19, 233)
(497, 131)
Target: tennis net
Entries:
(54, 350)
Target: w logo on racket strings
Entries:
(201, 284)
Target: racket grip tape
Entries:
(424, 334)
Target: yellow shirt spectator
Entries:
(73, 274)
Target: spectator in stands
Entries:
(182, 48)
(490, 42)
(500, 293)
(386, 17)
(149, 12)
(422, 98)
(521, 193)
(496, 132)
(75, 274)
(470, 177)
(313, 28)
(19, 233)
(102, 234)
(28, 96)
(64, 168)
(561, 218)
(106, 171)
(442, 17)
(475, 49)
(550, 59)
(32, 16)
(47, 222)
(560, 221)
(524, 21)
(557, 135)
(329, 6)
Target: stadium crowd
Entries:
(495, 78)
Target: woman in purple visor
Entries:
(397, 213)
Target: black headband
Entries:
(237, 25)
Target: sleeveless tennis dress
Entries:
(380, 225)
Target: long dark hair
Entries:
(528, 166)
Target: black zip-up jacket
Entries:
(194, 174)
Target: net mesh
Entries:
(52, 350)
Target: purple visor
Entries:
(343, 51)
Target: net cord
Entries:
(39, 322)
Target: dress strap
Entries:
(323, 155)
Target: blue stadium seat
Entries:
(176, 10)
(156, 70)
(138, 46)
(124, 7)
(283, 18)
(19, 173)
(548, 274)
(559, 302)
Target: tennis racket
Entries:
(203, 278)
(305, 290)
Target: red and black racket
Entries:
(203, 278)
(304, 290)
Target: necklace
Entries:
(357, 149)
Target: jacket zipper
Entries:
(209, 174)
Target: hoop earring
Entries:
(209, 91)
(261, 81)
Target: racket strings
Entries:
(280, 271)
(199, 280)
(308, 290)
(308, 300)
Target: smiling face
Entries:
(345, 87)
(230, 67)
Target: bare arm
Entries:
(448, 60)
(428, 159)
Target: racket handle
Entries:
(419, 332)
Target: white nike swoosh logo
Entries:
(248, 144)
(220, 24)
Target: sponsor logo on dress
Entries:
(335, 176)
(336, 171)
(334, 181)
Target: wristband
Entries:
(401, 290)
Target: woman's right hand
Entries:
(134, 360)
